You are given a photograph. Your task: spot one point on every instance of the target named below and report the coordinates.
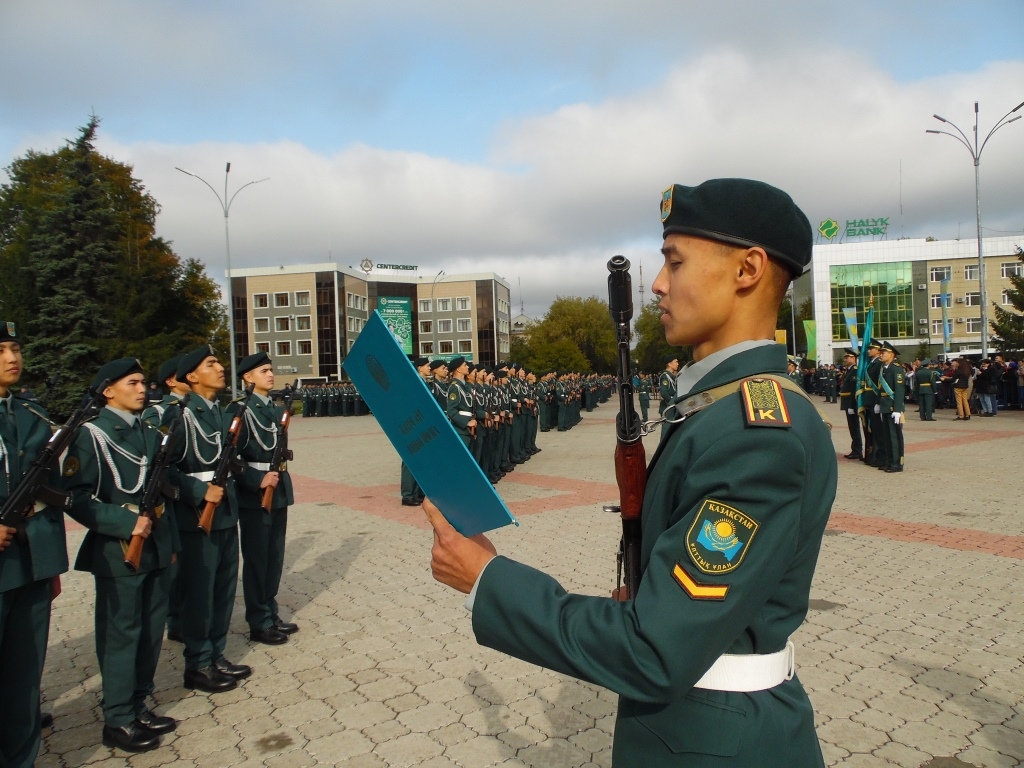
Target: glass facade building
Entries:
(889, 285)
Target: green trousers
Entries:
(410, 488)
(208, 577)
(24, 628)
(131, 612)
(926, 406)
(262, 536)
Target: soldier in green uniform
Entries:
(412, 494)
(643, 387)
(926, 380)
(892, 407)
(848, 403)
(106, 471)
(874, 448)
(209, 562)
(262, 534)
(793, 373)
(439, 382)
(737, 499)
(154, 414)
(31, 562)
(459, 403)
(667, 387)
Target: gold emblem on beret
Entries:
(666, 204)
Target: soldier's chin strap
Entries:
(684, 408)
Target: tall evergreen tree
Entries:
(1008, 327)
(86, 275)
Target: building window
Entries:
(444, 305)
(424, 305)
(263, 346)
(302, 298)
(465, 346)
(306, 347)
(974, 325)
(890, 288)
(303, 323)
(465, 325)
(973, 299)
(284, 348)
(280, 299)
(971, 272)
(1012, 269)
(937, 327)
(462, 304)
(938, 274)
(937, 300)
(443, 326)
(282, 324)
(1005, 300)
(262, 324)
(426, 326)
(259, 301)
(351, 343)
(355, 324)
(445, 347)
(362, 303)
(426, 347)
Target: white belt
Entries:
(753, 672)
(261, 466)
(465, 413)
(206, 477)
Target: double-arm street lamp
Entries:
(225, 204)
(975, 152)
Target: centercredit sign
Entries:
(829, 228)
(367, 266)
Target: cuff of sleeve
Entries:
(471, 599)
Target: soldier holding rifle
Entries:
(107, 470)
(736, 502)
(33, 554)
(263, 526)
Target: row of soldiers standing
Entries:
(337, 399)
(183, 570)
(882, 407)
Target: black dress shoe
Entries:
(155, 723)
(853, 455)
(286, 627)
(45, 719)
(410, 503)
(894, 469)
(268, 636)
(236, 671)
(209, 679)
(175, 635)
(130, 738)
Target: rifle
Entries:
(630, 459)
(32, 487)
(281, 453)
(227, 460)
(155, 486)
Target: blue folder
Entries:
(421, 432)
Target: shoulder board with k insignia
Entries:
(764, 404)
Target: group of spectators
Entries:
(971, 387)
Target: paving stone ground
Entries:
(911, 652)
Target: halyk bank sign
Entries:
(829, 228)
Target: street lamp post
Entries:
(225, 204)
(433, 311)
(975, 152)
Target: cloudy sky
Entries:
(532, 139)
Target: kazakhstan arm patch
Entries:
(764, 404)
(719, 537)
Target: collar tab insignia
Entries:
(719, 537)
(764, 404)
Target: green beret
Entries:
(501, 374)
(191, 360)
(252, 362)
(114, 371)
(419, 362)
(669, 358)
(169, 368)
(9, 332)
(435, 364)
(455, 363)
(743, 213)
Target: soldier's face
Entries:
(696, 289)
(887, 356)
(127, 394)
(262, 377)
(11, 364)
(209, 374)
(848, 360)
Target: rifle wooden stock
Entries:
(220, 475)
(133, 555)
(280, 450)
(206, 517)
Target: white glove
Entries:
(897, 416)
(850, 411)
(878, 408)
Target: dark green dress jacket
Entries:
(267, 417)
(653, 649)
(195, 455)
(89, 478)
(46, 555)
